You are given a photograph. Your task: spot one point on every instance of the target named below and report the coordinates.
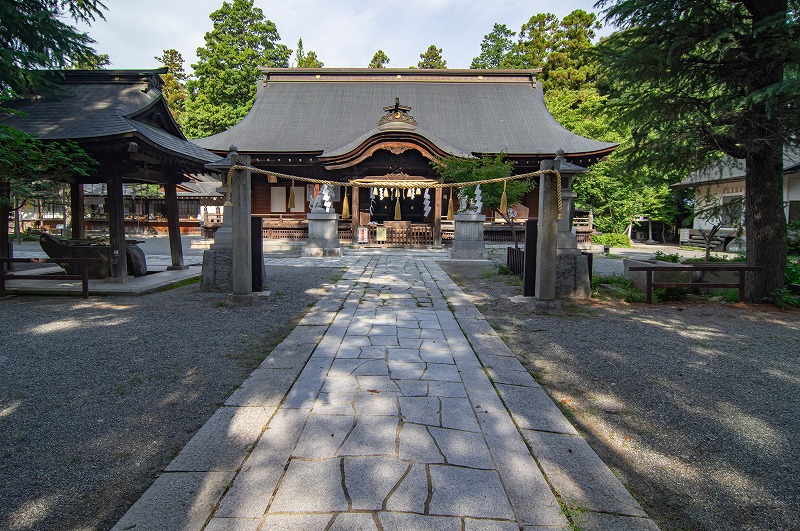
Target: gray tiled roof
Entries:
(730, 170)
(95, 109)
(460, 115)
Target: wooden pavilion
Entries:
(120, 118)
(378, 125)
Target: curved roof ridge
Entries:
(350, 146)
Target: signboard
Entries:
(381, 234)
(363, 235)
(684, 235)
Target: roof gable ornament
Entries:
(397, 118)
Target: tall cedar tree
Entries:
(306, 60)
(35, 35)
(227, 68)
(497, 49)
(379, 60)
(719, 70)
(432, 58)
(174, 82)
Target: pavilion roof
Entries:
(102, 105)
(729, 170)
(328, 112)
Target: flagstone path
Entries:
(393, 405)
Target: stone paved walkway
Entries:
(378, 412)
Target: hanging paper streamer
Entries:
(478, 199)
(345, 206)
(451, 207)
(426, 203)
(504, 201)
(326, 198)
(291, 196)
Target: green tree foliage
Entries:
(227, 67)
(34, 34)
(460, 170)
(90, 61)
(569, 64)
(693, 78)
(306, 60)
(379, 60)
(174, 82)
(497, 49)
(31, 166)
(536, 40)
(432, 58)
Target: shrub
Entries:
(621, 288)
(792, 272)
(661, 256)
(718, 258)
(612, 239)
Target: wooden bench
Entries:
(82, 263)
(740, 268)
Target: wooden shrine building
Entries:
(120, 118)
(378, 125)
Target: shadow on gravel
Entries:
(98, 396)
(693, 405)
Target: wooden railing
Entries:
(83, 263)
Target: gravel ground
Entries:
(694, 406)
(97, 396)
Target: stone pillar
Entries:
(242, 287)
(323, 236)
(468, 242)
(217, 274)
(547, 245)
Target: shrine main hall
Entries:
(381, 126)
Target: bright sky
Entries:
(344, 33)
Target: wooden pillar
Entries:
(174, 227)
(437, 217)
(76, 204)
(116, 227)
(5, 198)
(355, 212)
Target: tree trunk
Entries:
(765, 223)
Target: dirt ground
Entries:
(692, 405)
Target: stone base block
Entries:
(572, 277)
(468, 254)
(322, 251)
(217, 272)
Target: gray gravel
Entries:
(97, 396)
(694, 406)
